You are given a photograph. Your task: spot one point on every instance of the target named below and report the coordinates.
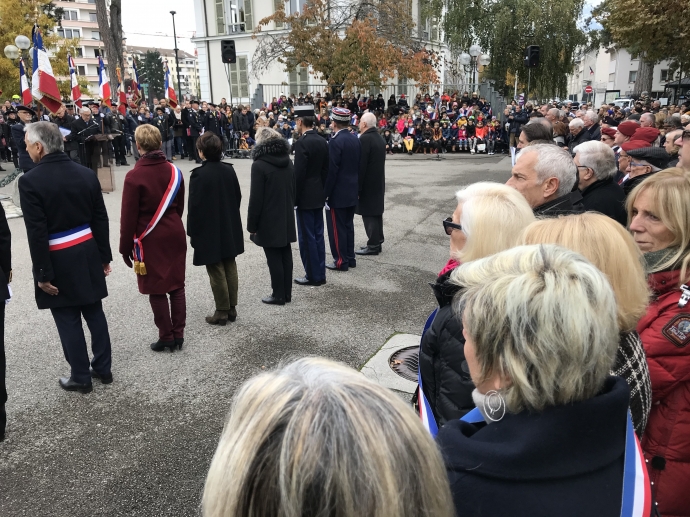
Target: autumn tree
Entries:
(504, 28)
(651, 31)
(18, 17)
(353, 45)
(110, 28)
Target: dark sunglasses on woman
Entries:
(449, 225)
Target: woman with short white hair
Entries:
(551, 428)
(317, 438)
(489, 218)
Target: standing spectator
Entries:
(196, 128)
(26, 116)
(67, 229)
(179, 133)
(161, 122)
(515, 120)
(591, 121)
(152, 186)
(578, 134)
(608, 135)
(659, 216)
(341, 188)
(5, 279)
(271, 216)
(311, 171)
(214, 225)
(596, 165)
(372, 184)
(644, 162)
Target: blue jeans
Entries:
(179, 146)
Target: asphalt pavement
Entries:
(141, 446)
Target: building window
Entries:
(220, 17)
(99, 52)
(70, 15)
(299, 80)
(238, 15)
(95, 35)
(277, 4)
(78, 52)
(93, 17)
(632, 76)
(239, 78)
(68, 33)
(664, 76)
(81, 70)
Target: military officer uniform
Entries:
(67, 229)
(196, 128)
(341, 188)
(311, 171)
(17, 130)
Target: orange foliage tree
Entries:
(354, 46)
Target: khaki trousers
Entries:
(224, 283)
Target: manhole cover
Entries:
(405, 362)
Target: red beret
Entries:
(648, 134)
(609, 131)
(628, 127)
(634, 144)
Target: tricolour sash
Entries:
(168, 198)
(425, 412)
(637, 494)
(69, 238)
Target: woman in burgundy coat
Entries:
(161, 267)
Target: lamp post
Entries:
(21, 44)
(177, 61)
(473, 59)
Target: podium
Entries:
(99, 157)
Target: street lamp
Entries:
(473, 59)
(22, 42)
(177, 61)
(11, 52)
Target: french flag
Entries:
(169, 90)
(24, 84)
(44, 87)
(76, 91)
(136, 89)
(104, 84)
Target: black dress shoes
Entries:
(105, 379)
(271, 300)
(66, 383)
(305, 281)
(367, 250)
(159, 345)
(332, 266)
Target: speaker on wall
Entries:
(227, 51)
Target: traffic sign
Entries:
(588, 89)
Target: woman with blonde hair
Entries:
(551, 433)
(488, 218)
(317, 438)
(659, 219)
(156, 245)
(599, 238)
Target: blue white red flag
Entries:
(25, 90)
(104, 84)
(75, 94)
(169, 90)
(44, 87)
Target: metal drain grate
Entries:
(405, 362)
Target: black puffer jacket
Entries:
(445, 375)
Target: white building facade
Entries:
(79, 21)
(218, 20)
(611, 74)
(188, 67)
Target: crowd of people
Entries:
(555, 371)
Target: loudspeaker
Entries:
(532, 56)
(227, 51)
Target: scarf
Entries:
(155, 155)
(654, 259)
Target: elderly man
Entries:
(546, 175)
(671, 147)
(591, 120)
(26, 115)
(644, 161)
(647, 120)
(67, 229)
(578, 133)
(83, 128)
(553, 115)
(596, 164)
(311, 171)
(372, 184)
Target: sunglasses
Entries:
(449, 225)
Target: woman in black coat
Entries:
(214, 225)
(271, 215)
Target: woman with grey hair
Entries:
(553, 431)
(317, 438)
(271, 215)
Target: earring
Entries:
(494, 404)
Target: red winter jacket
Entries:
(665, 334)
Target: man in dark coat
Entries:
(5, 279)
(596, 164)
(162, 122)
(372, 184)
(186, 123)
(82, 128)
(26, 116)
(341, 190)
(196, 127)
(271, 214)
(546, 175)
(67, 229)
(311, 171)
